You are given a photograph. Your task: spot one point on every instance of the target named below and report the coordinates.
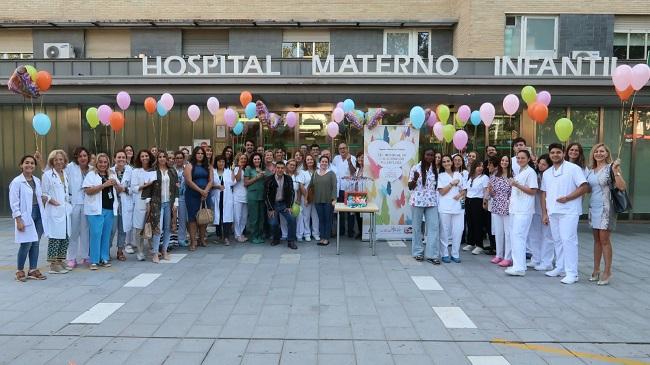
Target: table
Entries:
(371, 208)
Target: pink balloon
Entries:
(460, 139)
(433, 118)
(339, 105)
(487, 113)
(167, 101)
(104, 113)
(123, 100)
(544, 97)
(437, 130)
(338, 115)
(640, 76)
(510, 104)
(463, 113)
(332, 129)
(213, 105)
(230, 116)
(292, 119)
(622, 77)
(193, 112)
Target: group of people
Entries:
(523, 210)
(140, 200)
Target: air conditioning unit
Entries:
(58, 50)
(585, 54)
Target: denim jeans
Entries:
(280, 209)
(100, 226)
(182, 221)
(165, 228)
(324, 211)
(31, 248)
(432, 229)
(118, 230)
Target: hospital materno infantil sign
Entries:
(376, 65)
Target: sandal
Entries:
(20, 276)
(121, 256)
(36, 275)
(419, 258)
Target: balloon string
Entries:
(95, 138)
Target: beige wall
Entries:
(16, 41)
(108, 43)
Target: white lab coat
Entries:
(75, 179)
(93, 203)
(228, 201)
(20, 201)
(126, 198)
(138, 178)
(58, 217)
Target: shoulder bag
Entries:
(147, 231)
(310, 190)
(204, 215)
(620, 200)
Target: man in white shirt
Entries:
(344, 166)
(563, 186)
(518, 144)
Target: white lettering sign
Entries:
(529, 66)
(208, 66)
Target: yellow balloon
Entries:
(448, 132)
(443, 113)
(529, 94)
(31, 71)
(563, 129)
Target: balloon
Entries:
(43, 80)
(376, 118)
(295, 209)
(538, 112)
(230, 116)
(160, 108)
(41, 124)
(339, 105)
(245, 97)
(487, 113)
(213, 105)
(624, 95)
(250, 110)
(417, 117)
(332, 129)
(262, 112)
(563, 129)
(437, 130)
(432, 119)
(448, 132)
(544, 97)
(33, 74)
(21, 83)
(238, 128)
(622, 77)
(510, 104)
(464, 112)
(528, 93)
(117, 121)
(360, 115)
(123, 100)
(443, 113)
(193, 112)
(640, 76)
(150, 105)
(274, 120)
(475, 118)
(104, 113)
(167, 101)
(92, 118)
(292, 119)
(348, 105)
(460, 139)
(338, 115)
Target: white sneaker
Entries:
(468, 247)
(531, 264)
(307, 239)
(512, 272)
(569, 280)
(543, 268)
(477, 251)
(317, 238)
(140, 257)
(129, 249)
(554, 273)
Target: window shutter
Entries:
(205, 42)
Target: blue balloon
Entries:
(360, 114)
(475, 117)
(417, 116)
(238, 128)
(160, 108)
(41, 124)
(348, 105)
(251, 110)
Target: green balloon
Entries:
(92, 118)
(31, 71)
(448, 132)
(295, 209)
(443, 113)
(563, 129)
(459, 123)
(529, 94)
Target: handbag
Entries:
(620, 200)
(204, 215)
(310, 190)
(147, 231)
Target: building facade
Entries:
(308, 57)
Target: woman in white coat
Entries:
(239, 197)
(25, 200)
(79, 236)
(141, 178)
(124, 224)
(57, 210)
(222, 197)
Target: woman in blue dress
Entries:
(198, 182)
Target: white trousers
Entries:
(79, 247)
(309, 219)
(540, 242)
(451, 229)
(239, 219)
(519, 226)
(564, 228)
(501, 232)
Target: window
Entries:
(305, 49)
(630, 46)
(407, 43)
(533, 36)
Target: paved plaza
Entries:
(251, 304)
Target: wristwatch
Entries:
(618, 174)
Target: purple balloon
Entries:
(437, 130)
(123, 100)
(167, 101)
(213, 105)
(332, 129)
(622, 77)
(511, 104)
(460, 139)
(292, 119)
(640, 76)
(230, 116)
(104, 112)
(338, 115)
(193, 112)
(463, 113)
(339, 105)
(487, 113)
(544, 97)
(433, 118)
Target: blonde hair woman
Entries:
(58, 210)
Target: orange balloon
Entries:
(540, 112)
(43, 80)
(117, 121)
(150, 105)
(624, 95)
(531, 110)
(245, 97)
